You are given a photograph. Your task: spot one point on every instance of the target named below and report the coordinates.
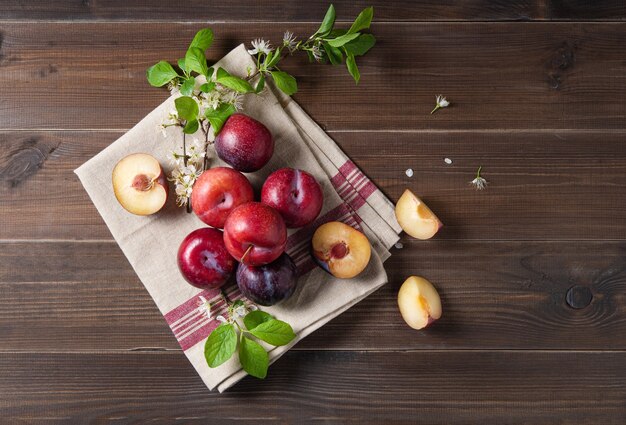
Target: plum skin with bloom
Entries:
(255, 234)
(217, 192)
(268, 284)
(203, 259)
(295, 194)
(244, 143)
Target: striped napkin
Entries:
(151, 243)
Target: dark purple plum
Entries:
(269, 284)
(244, 143)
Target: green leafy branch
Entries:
(231, 336)
(210, 96)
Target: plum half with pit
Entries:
(139, 184)
(268, 284)
(341, 250)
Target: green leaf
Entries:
(362, 21)
(196, 61)
(209, 74)
(352, 68)
(255, 318)
(275, 332)
(360, 45)
(272, 58)
(221, 73)
(203, 39)
(160, 74)
(334, 54)
(207, 87)
(341, 40)
(337, 32)
(260, 85)
(253, 358)
(285, 82)
(235, 83)
(191, 127)
(187, 108)
(187, 88)
(182, 66)
(328, 22)
(217, 117)
(220, 345)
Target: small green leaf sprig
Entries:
(232, 336)
(209, 96)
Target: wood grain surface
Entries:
(500, 75)
(277, 10)
(452, 387)
(532, 271)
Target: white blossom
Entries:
(479, 183)
(260, 46)
(241, 311)
(209, 100)
(289, 41)
(315, 51)
(204, 307)
(399, 245)
(447, 161)
(173, 88)
(233, 98)
(409, 172)
(221, 319)
(172, 118)
(184, 177)
(441, 102)
(176, 159)
(196, 151)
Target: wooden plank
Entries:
(582, 10)
(497, 75)
(519, 387)
(559, 185)
(270, 11)
(275, 10)
(78, 296)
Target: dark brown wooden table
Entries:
(532, 271)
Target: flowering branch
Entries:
(209, 96)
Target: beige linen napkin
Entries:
(151, 243)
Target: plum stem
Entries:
(188, 206)
(226, 299)
(246, 253)
(205, 165)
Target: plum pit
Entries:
(339, 250)
(142, 183)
